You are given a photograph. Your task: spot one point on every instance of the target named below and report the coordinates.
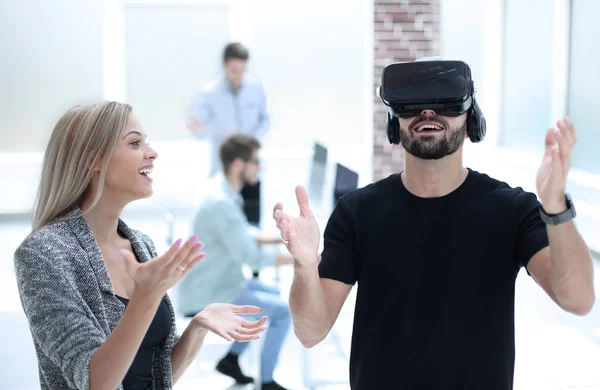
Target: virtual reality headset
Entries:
(446, 87)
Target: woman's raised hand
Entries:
(161, 273)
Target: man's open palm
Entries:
(300, 234)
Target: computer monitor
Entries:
(345, 180)
(318, 175)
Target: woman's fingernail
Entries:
(198, 245)
(178, 242)
(195, 237)
(122, 252)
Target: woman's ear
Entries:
(89, 164)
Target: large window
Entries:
(51, 60)
(533, 59)
(584, 83)
(527, 93)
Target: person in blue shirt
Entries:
(229, 244)
(233, 102)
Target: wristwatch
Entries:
(557, 219)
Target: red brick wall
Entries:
(404, 30)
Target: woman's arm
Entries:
(64, 326)
(185, 350)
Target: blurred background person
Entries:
(234, 102)
(221, 223)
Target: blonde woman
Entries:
(94, 290)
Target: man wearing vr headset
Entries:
(436, 249)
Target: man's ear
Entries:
(236, 165)
(239, 163)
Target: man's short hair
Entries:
(238, 145)
(235, 50)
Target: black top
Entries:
(436, 281)
(139, 375)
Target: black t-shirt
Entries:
(436, 281)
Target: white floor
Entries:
(555, 350)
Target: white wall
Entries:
(169, 50)
(51, 60)
(311, 58)
(585, 82)
(528, 70)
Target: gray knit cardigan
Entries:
(70, 304)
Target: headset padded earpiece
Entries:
(392, 126)
(475, 123)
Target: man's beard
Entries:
(426, 147)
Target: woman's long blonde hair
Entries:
(84, 137)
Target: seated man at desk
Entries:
(228, 243)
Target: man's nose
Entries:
(428, 112)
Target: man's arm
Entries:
(235, 235)
(319, 289)
(200, 117)
(194, 125)
(315, 304)
(263, 239)
(565, 270)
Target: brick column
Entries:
(404, 30)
